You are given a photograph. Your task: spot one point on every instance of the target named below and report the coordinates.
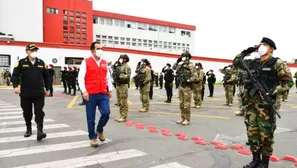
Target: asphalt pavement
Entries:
(136, 144)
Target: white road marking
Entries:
(89, 160)
(1, 106)
(10, 113)
(45, 148)
(49, 136)
(11, 109)
(171, 165)
(22, 122)
(20, 129)
(11, 117)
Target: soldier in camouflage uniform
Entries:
(115, 70)
(187, 75)
(144, 73)
(259, 119)
(229, 82)
(197, 86)
(285, 96)
(122, 81)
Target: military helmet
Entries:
(186, 54)
(31, 47)
(146, 61)
(198, 64)
(125, 56)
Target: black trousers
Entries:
(161, 85)
(211, 88)
(73, 86)
(202, 92)
(51, 88)
(168, 88)
(151, 91)
(27, 106)
(64, 85)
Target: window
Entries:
(142, 26)
(110, 42)
(123, 38)
(84, 40)
(77, 34)
(119, 23)
(116, 42)
(71, 39)
(106, 21)
(155, 41)
(77, 39)
(139, 40)
(77, 13)
(104, 41)
(104, 37)
(85, 20)
(5, 60)
(98, 36)
(65, 22)
(84, 25)
(131, 25)
(77, 23)
(133, 44)
(65, 12)
(145, 41)
(155, 46)
(71, 23)
(182, 33)
(139, 44)
(116, 38)
(128, 43)
(77, 18)
(71, 12)
(162, 29)
(171, 30)
(65, 33)
(71, 34)
(65, 27)
(188, 33)
(84, 29)
(65, 17)
(65, 39)
(110, 37)
(128, 39)
(77, 29)
(84, 14)
(84, 35)
(152, 27)
(134, 39)
(71, 18)
(150, 41)
(95, 20)
(122, 43)
(52, 11)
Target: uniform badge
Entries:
(25, 65)
(40, 66)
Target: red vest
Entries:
(95, 79)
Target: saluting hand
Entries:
(86, 96)
(17, 90)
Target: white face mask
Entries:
(262, 50)
(121, 61)
(197, 67)
(33, 54)
(99, 53)
(183, 58)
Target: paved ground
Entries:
(67, 144)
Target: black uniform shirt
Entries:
(33, 78)
(169, 75)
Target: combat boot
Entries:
(101, 137)
(40, 133)
(28, 131)
(185, 122)
(142, 110)
(265, 162)
(121, 119)
(256, 161)
(180, 121)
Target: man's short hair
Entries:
(93, 45)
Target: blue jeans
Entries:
(102, 101)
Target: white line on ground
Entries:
(11, 109)
(171, 165)
(49, 136)
(89, 160)
(1, 106)
(19, 129)
(23, 122)
(10, 113)
(45, 148)
(11, 117)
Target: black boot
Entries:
(255, 162)
(265, 162)
(28, 131)
(40, 133)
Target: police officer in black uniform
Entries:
(68, 79)
(73, 79)
(51, 72)
(169, 77)
(64, 79)
(34, 79)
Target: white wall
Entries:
(23, 19)
(47, 54)
(99, 29)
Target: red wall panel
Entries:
(68, 28)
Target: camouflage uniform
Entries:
(285, 96)
(260, 121)
(115, 70)
(197, 86)
(122, 81)
(229, 81)
(187, 75)
(145, 76)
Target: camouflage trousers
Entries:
(240, 97)
(278, 102)
(122, 94)
(185, 97)
(144, 91)
(197, 88)
(260, 129)
(117, 92)
(229, 94)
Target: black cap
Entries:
(31, 47)
(269, 42)
(186, 54)
(168, 64)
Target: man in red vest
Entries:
(95, 83)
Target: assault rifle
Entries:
(258, 88)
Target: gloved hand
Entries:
(249, 50)
(139, 63)
(279, 90)
(179, 60)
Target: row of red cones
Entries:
(198, 140)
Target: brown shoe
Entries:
(94, 143)
(239, 113)
(142, 110)
(180, 121)
(101, 137)
(116, 119)
(186, 122)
